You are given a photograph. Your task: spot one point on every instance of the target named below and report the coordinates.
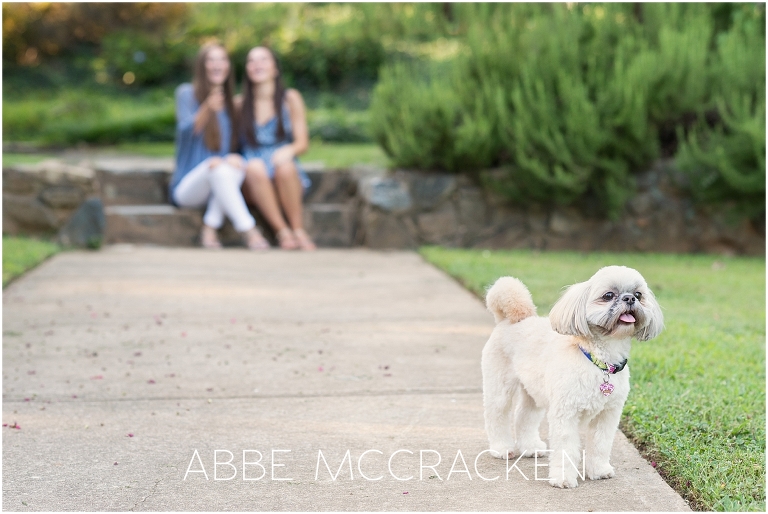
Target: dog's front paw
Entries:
(563, 482)
(501, 452)
(600, 472)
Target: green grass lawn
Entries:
(697, 405)
(332, 155)
(149, 149)
(9, 159)
(21, 254)
(345, 155)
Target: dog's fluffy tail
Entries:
(508, 298)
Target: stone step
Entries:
(330, 225)
(135, 195)
(161, 224)
(144, 181)
(134, 181)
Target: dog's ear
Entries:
(655, 318)
(569, 314)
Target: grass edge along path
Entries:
(21, 254)
(696, 409)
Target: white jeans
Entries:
(219, 188)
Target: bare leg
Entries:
(259, 190)
(290, 191)
(209, 239)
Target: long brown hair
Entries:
(248, 112)
(202, 88)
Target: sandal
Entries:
(209, 239)
(255, 241)
(305, 242)
(287, 239)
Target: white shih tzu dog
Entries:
(571, 366)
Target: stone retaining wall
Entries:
(407, 209)
(41, 198)
(369, 207)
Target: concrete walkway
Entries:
(130, 370)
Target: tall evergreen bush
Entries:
(571, 101)
(414, 118)
(726, 162)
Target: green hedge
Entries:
(726, 162)
(89, 116)
(75, 116)
(571, 101)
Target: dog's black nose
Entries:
(629, 298)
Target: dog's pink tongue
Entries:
(627, 318)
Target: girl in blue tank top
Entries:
(273, 133)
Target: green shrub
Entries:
(75, 116)
(88, 116)
(156, 126)
(413, 120)
(531, 96)
(726, 162)
(339, 125)
(24, 119)
(331, 59)
(571, 131)
(569, 102)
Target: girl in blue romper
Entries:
(273, 133)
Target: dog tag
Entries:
(606, 388)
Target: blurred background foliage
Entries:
(565, 102)
(105, 73)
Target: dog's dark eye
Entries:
(608, 296)
(638, 295)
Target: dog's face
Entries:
(615, 303)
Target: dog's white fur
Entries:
(533, 365)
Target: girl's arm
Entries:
(235, 158)
(210, 106)
(186, 108)
(191, 117)
(298, 113)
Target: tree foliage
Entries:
(322, 46)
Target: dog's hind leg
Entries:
(497, 405)
(527, 420)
